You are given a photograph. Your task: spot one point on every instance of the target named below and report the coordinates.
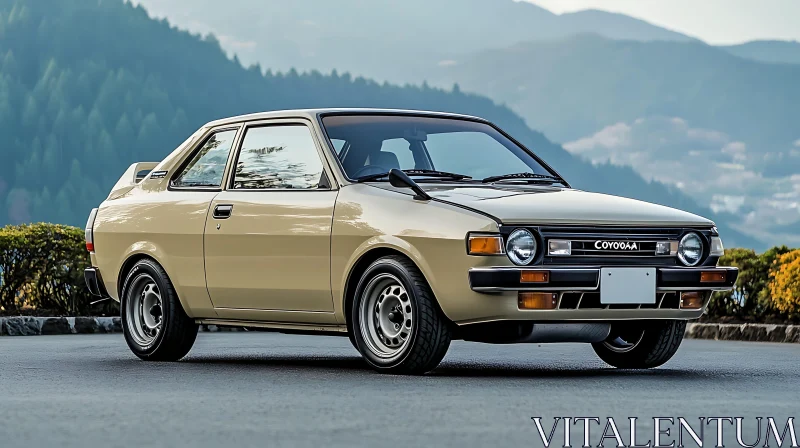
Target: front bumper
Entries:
(587, 279)
(576, 293)
(94, 282)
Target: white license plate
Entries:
(627, 285)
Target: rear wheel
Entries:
(154, 323)
(397, 325)
(642, 344)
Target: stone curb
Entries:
(31, 326)
(744, 332)
(34, 326)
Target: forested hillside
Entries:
(90, 86)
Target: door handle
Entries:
(223, 211)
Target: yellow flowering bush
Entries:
(784, 285)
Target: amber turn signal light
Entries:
(485, 245)
(691, 301)
(712, 276)
(537, 300)
(534, 276)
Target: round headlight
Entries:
(690, 249)
(521, 247)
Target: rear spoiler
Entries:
(132, 176)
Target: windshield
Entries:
(373, 144)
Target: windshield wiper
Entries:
(434, 173)
(528, 177)
(418, 172)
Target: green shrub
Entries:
(731, 303)
(41, 266)
(17, 263)
(63, 257)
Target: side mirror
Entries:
(400, 179)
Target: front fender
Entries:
(431, 234)
(377, 242)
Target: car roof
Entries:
(312, 114)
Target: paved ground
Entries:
(259, 389)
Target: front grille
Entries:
(619, 251)
(611, 245)
(591, 301)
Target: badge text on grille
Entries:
(615, 245)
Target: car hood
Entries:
(550, 205)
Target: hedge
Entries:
(41, 271)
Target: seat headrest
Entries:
(385, 160)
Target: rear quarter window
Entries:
(207, 166)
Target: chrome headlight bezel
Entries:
(513, 242)
(682, 249)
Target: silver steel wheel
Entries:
(386, 315)
(144, 310)
(625, 340)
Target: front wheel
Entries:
(154, 323)
(397, 325)
(641, 345)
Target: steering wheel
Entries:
(368, 170)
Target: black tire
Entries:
(429, 336)
(177, 331)
(652, 343)
(352, 339)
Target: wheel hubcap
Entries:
(387, 316)
(144, 310)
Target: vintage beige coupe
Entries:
(403, 230)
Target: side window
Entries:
(278, 157)
(208, 166)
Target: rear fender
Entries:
(149, 250)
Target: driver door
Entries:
(268, 234)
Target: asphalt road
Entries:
(264, 389)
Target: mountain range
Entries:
(574, 86)
(771, 51)
(384, 39)
(389, 39)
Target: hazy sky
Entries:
(714, 21)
